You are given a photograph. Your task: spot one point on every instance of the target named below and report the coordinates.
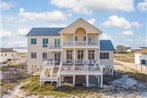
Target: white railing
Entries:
(54, 46)
(81, 43)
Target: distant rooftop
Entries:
(143, 51)
(7, 50)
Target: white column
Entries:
(74, 59)
(73, 80)
(87, 80)
(86, 60)
(101, 85)
(98, 79)
(59, 81)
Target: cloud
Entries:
(136, 24)
(92, 21)
(13, 20)
(120, 22)
(46, 16)
(88, 6)
(22, 31)
(106, 36)
(6, 5)
(5, 33)
(142, 6)
(127, 33)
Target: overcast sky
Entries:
(122, 21)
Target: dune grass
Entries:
(32, 87)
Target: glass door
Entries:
(80, 56)
(69, 56)
(57, 57)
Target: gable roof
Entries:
(44, 32)
(7, 50)
(83, 21)
(106, 45)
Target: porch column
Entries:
(73, 80)
(101, 85)
(87, 80)
(98, 79)
(59, 81)
(86, 60)
(74, 59)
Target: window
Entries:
(80, 56)
(44, 42)
(12, 54)
(76, 38)
(142, 61)
(33, 41)
(69, 56)
(1, 55)
(57, 42)
(57, 57)
(5, 54)
(104, 55)
(84, 38)
(33, 55)
(44, 55)
(91, 55)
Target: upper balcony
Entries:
(54, 48)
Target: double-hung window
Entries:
(57, 42)
(69, 56)
(44, 55)
(44, 42)
(104, 55)
(91, 55)
(33, 55)
(33, 41)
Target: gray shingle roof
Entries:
(7, 50)
(106, 45)
(44, 32)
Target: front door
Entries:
(80, 56)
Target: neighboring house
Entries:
(121, 49)
(6, 55)
(75, 51)
(141, 57)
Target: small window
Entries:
(1, 55)
(142, 61)
(104, 55)
(33, 41)
(84, 38)
(44, 42)
(33, 55)
(5, 54)
(76, 38)
(57, 42)
(44, 55)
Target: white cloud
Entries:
(106, 36)
(142, 5)
(6, 5)
(46, 16)
(5, 33)
(136, 24)
(13, 20)
(127, 33)
(22, 31)
(88, 6)
(120, 22)
(92, 21)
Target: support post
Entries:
(87, 80)
(101, 85)
(73, 80)
(98, 79)
(59, 84)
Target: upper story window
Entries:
(44, 55)
(57, 42)
(44, 42)
(104, 55)
(33, 41)
(91, 55)
(33, 55)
